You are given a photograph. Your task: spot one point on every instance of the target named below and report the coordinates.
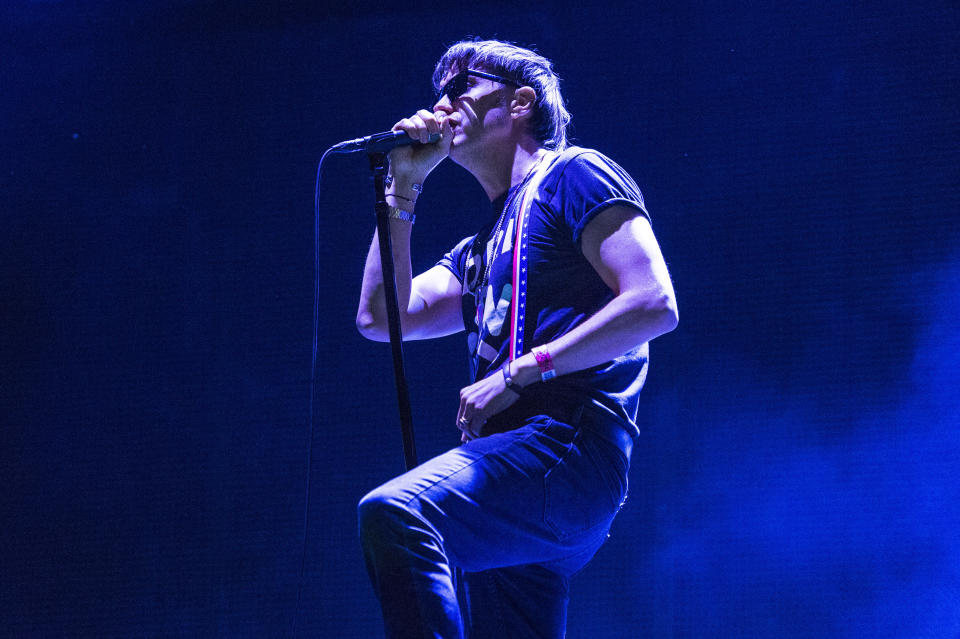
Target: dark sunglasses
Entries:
(457, 85)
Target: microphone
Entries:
(379, 142)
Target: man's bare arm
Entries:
(621, 247)
(429, 304)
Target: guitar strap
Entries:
(519, 280)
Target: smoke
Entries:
(791, 528)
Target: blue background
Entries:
(798, 475)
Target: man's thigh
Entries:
(488, 500)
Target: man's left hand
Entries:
(479, 402)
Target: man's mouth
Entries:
(455, 122)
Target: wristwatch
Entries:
(508, 379)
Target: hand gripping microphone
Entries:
(379, 142)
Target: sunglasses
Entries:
(457, 85)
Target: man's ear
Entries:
(523, 100)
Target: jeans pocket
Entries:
(585, 488)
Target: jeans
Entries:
(504, 520)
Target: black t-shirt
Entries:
(563, 289)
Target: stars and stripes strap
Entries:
(519, 306)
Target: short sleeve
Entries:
(590, 183)
(455, 260)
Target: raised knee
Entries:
(378, 513)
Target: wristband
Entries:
(508, 379)
(400, 214)
(544, 363)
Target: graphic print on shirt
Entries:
(493, 307)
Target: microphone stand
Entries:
(378, 166)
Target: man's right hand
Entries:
(412, 164)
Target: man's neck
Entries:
(498, 171)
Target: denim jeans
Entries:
(515, 513)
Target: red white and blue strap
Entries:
(519, 306)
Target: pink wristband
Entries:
(544, 363)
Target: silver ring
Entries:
(463, 422)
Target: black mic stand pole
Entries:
(378, 165)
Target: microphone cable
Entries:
(313, 381)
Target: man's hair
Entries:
(528, 68)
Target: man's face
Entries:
(479, 115)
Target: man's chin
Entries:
(461, 141)
(458, 147)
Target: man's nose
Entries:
(443, 104)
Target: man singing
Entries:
(559, 291)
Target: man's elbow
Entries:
(657, 313)
(368, 327)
